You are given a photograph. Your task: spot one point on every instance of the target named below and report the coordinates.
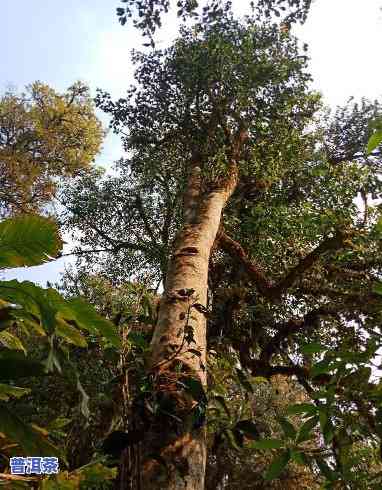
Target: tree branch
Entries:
(333, 243)
(293, 326)
(265, 286)
(236, 251)
(143, 216)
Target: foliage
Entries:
(27, 310)
(44, 136)
(28, 240)
(293, 280)
(294, 288)
(376, 138)
(147, 14)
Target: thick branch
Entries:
(333, 243)
(235, 250)
(265, 286)
(293, 326)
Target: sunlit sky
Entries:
(61, 42)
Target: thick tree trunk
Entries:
(173, 451)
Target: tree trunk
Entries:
(173, 450)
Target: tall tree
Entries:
(200, 107)
(44, 135)
(270, 250)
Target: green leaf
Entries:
(58, 423)
(305, 430)
(195, 388)
(50, 308)
(288, 428)
(10, 341)
(323, 416)
(301, 408)
(7, 391)
(267, 444)
(299, 458)
(378, 226)
(277, 466)
(87, 318)
(221, 401)
(377, 288)
(35, 301)
(31, 441)
(374, 141)
(28, 240)
(321, 367)
(70, 333)
(313, 348)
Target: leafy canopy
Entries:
(44, 135)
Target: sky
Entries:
(61, 42)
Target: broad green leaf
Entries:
(31, 441)
(10, 341)
(28, 240)
(328, 432)
(58, 423)
(70, 333)
(267, 444)
(323, 416)
(49, 308)
(87, 318)
(326, 425)
(374, 141)
(6, 391)
(277, 466)
(288, 428)
(313, 348)
(305, 430)
(33, 299)
(138, 339)
(321, 367)
(195, 388)
(299, 458)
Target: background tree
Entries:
(44, 136)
